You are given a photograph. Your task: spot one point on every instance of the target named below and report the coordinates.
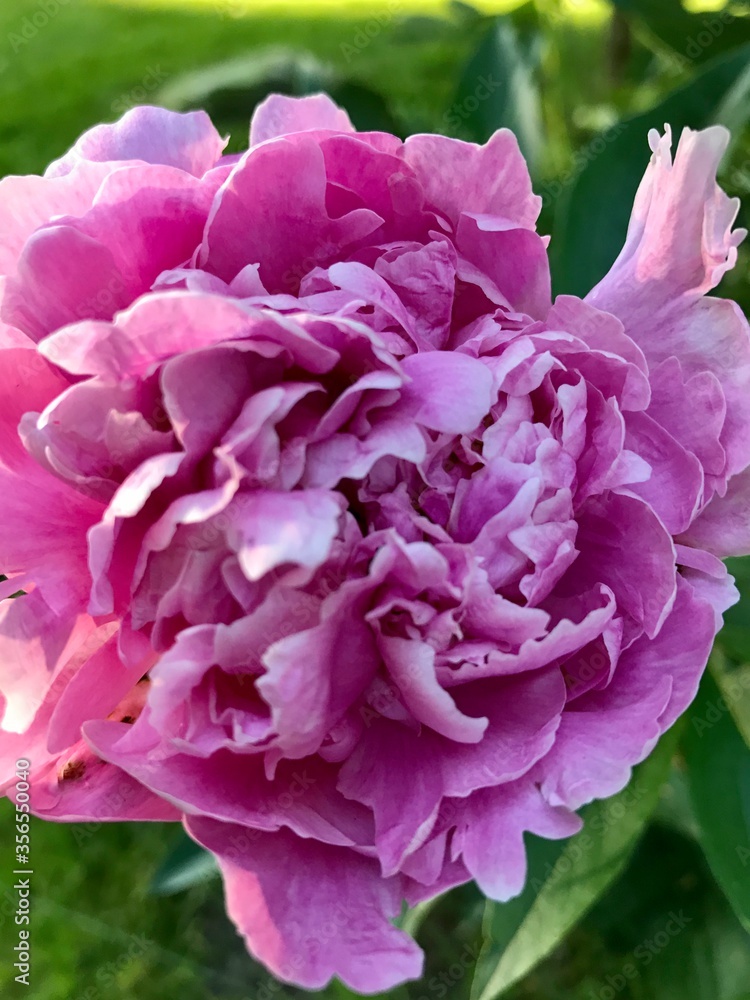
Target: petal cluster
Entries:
(338, 539)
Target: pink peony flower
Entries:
(339, 540)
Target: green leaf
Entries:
(732, 111)
(229, 90)
(413, 919)
(695, 38)
(734, 638)
(593, 205)
(586, 867)
(734, 684)
(718, 762)
(465, 13)
(185, 865)
(337, 991)
(675, 808)
(367, 109)
(499, 90)
(664, 931)
(708, 960)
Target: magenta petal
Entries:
(311, 912)
(273, 529)
(515, 258)
(723, 527)
(102, 794)
(249, 224)
(680, 238)
(35, 643)
(490, 839)
(412, 666)
(26, 203)
(278, 115)
(446, 392)
(491, 179)
(675, 488)
(188, 141)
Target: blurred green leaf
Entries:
(420, 28)
(732, 112)
(593, 205)
(185, 865)
(586, 867)
(734, 685)
(675, 807)
(460, 18)
(718, 763)
(694, 37)
(734, 638)
(499, 89)
(229, 90)
(337, 991)
(664, 931)
(451, 938)
(367, 109)
(502, 921)
(464, 12)
(413, 919)
(707, 960)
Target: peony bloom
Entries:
(339, 540)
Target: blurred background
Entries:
(657, 905)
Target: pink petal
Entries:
(186, 141)
(310, 912)
(278, 115)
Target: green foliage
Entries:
(718, 764)
(499, 89)
(186, 864)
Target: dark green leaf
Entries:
(675, 807)
(465, 13)
(366, 108)
(719, 777)
(593, 205)
(421, 28)
(186, 864)
(499, 90)
(734, 685)
(663, 931)
(230, 90)
(734, 638)
(694, 38)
